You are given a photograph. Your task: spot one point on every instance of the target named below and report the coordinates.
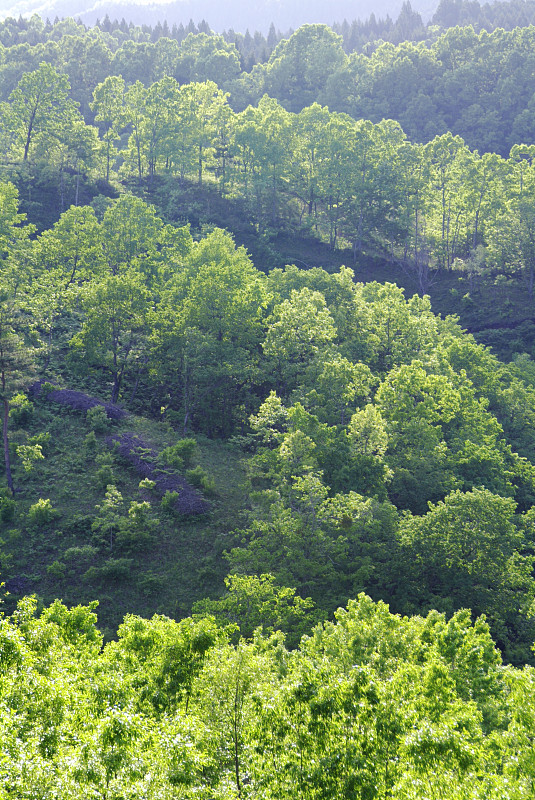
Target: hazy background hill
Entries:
(259, 15)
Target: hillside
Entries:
(285, 14)
(267, 388)
(162, 563)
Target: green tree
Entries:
(339, 387)
(511, 233)
(469, 552)
(300, 329)
(264, 138)
(204, 57)
(210, 325)
(335, 168)
(135, 100)
(201, 108)
(256, 601)
(63, 259)
(224, 698)
(159, 125)
(12, 227)
(109, 108)
(140, 229)
(114, 331)
(175, 651)
(40, 105)
(447, 156)
(298, 68)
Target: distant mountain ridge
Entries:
(285, 14)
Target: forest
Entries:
(267, 384)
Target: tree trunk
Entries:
(116, 387)
(236, 737)
(108, 158)
(6, 448)
(29, 135)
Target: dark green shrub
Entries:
(56, 570)
(7, 508)
(80, 555)
(90, 444)
(168, 500)
(104, 476)
(174, 418)
(134, 540)
(199, 478)
(97, 419)
(180, 454)
(78, 525)
(21, 409)
(150, 584)
(117, 569)
(92, 575)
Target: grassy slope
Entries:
(184, 562)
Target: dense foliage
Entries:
(357, 409)
(370, 706)
(171, 413)
(309, 170)
(472, 80)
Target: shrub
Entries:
(78, 524)
(21, 409)
(110, 518)
(170, 458)
(187, 450)
(201, 480)
(147, 485)
(57, 569)
(97, 419)
(117, 568)
(7, 508)
(114, 568)
(150, 584)
(134, 540)
(46, 388)
(92, 575)
(174, 418)
(180, 454)
(169, 499)
(29, 454)
(104, 476)
(80, 555)
(195, 476)
(135, 532)
(90, 444)
(42, 439)
(41, 513)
